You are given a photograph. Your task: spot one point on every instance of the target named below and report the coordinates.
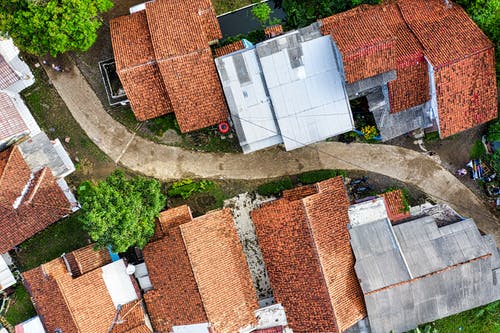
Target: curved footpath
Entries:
(166, 163)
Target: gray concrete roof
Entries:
(415, 272)
(39, 152)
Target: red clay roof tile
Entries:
(365, 42)
(305, 244)
(221, 271)
(29, 202)
(82, 304)
(183, 79)
(273, 31)
(199, 274)
(194, 89)
(229, 48)
(395, 207)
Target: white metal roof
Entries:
(33, 325)
(118, 283)
(306, 88)
(249, 103)
(195, 328)
(7, 279)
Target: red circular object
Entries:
(223, 127)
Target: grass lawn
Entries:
(61, 237)
(20, 306)
(53, 117)
(224, 6)
(484, 319)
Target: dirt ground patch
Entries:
(454, 153)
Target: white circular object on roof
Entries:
(130, 269)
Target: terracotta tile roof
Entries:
(81, 304)
(48, 300)
(11, 122)
(199, 274)
(146, 91)
(175, 299)
(194, 89)
(132, 319)
(273, 31)
(136, 66)
(7, 76)
(221, 271)
(394, 204)
(131, 40)
(87, 259)
(411, 87)
(277, 329)
(209, 22)
(466, 93)
(174, 217)
(433, 22)
(229, 48)
(365, 42)
(180, 74)
(301, 192)
(14, 175)
(39, 200)
(305, 244)
(464, 65)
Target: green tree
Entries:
(262, 12)
(300, 13)
(43, 27)
(120, 212)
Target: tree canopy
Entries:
(120, 212)
(300, 13)
(42, 27)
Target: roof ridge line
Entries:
(316, 253)
(39, 176)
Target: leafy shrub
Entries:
(276, 187)
(186, 187)
(494, 131)
(477, 150)
(432, 136)
(312, 177)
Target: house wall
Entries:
(423, 300)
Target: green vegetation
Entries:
(162, 124)
(61, 237)
(300, 13)
(486, 14)
(485, 319)
(494, 131)
(275, 187)
(120, 212)
(477, 150)
(315, 176)
(20, 306)
(254, 37)
(431, 137)
(224, 6)
(186, 187)
(52, 26)
(262, 12)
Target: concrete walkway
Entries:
(166, 163)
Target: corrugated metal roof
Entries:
(248, 100)
(288, 89)
(306, 89)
